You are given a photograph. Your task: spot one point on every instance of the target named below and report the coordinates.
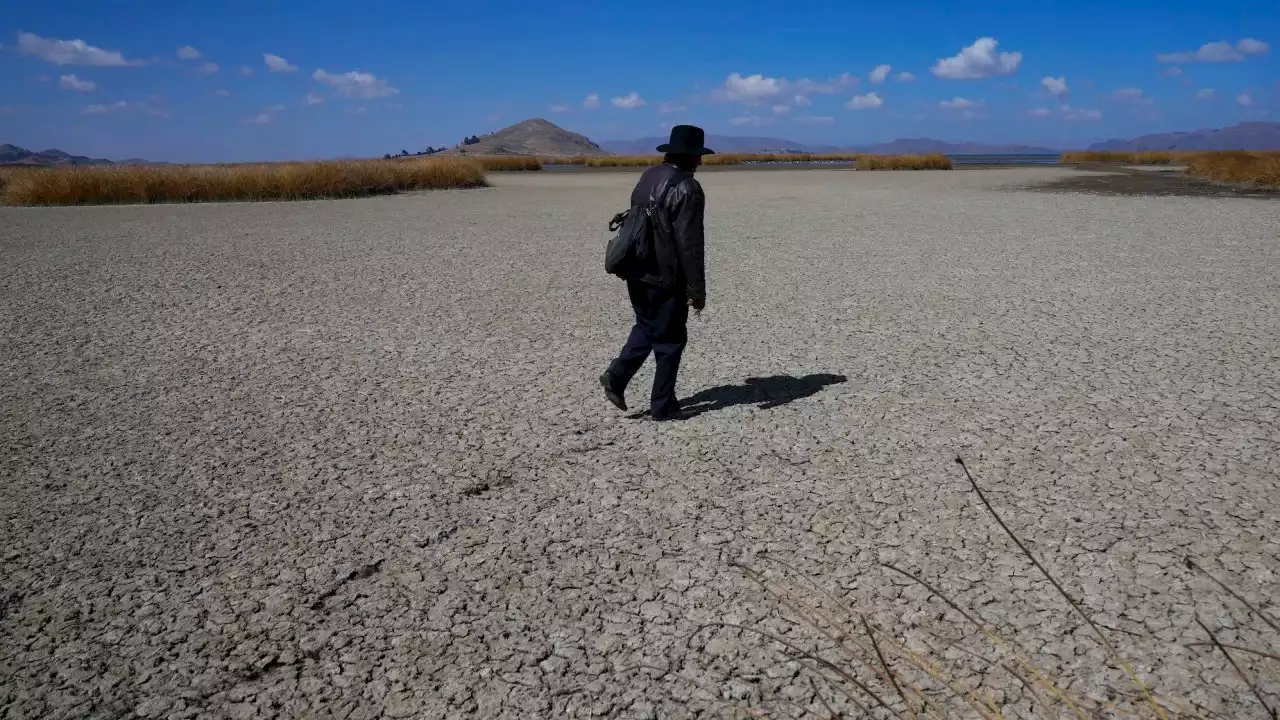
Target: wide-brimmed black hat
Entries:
(686, 140)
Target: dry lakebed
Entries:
(349, 459)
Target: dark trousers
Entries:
(661, 327)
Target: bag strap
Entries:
(667, 186)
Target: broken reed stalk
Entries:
(831, 713)
(995, 638)
(1241, 648)
(982, 706)
(887, 670)
(806, 655)
(793, 605)
(1111, 650)
(1214, 638)
(1265, 618)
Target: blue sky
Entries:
(194, 81)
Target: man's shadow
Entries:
(769, 392)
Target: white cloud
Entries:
(592, 101)
(830, 86)
(1172, 72)
(1206, 94)
(246, 70)
(802, 101)
(355, 84)
(117, 106)
(266, 117)
(758, 89)
(71, 82)
(558, 108)
(870, 101)
(959, 103)
(222, 93)
(277, 64)
(207, 68)
(1073, 114)
(1244, 99)
(70, 52)
(905, 76)
(1040, 112)
(360, 110)
(1249, 46)
(1055, 85)
(781, 109)
(313, 99)
(630, 101)
(879, 73)
(186, 52)
(153, 108)
(1220, 51)
(752, 120)
(815, 119)
(979, 60)
(1131, 96)
(671, 106)
(749, 90)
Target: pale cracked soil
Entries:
(350, 459)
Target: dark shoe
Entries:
(613, 396)
(667, 417)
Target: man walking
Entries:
(673, 281)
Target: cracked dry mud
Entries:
(349, 459)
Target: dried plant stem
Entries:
(1241, 648)
(887, 670)
(1265, 618)
(999, 641)
(1214, 638)
(807, 617)
(1111, 650)
(802, 653)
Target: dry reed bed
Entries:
(1231, 166)
(1145, 157)
(862, 666)
(862, 160)
(211, 183)
(1249, 168)
(510, 163)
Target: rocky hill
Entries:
(1245, 136)
(14, 155)
(531, 137)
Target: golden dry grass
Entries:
(622, 161)
(509, 163)
(1230, 166)
(212, 183)
(864, 161)
(933, 161)
(1250, 168)
(1144, 157)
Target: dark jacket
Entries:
(678, 259)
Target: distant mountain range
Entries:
(545, 139)
(733, 144)
(14, 155)
(1245, 136)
